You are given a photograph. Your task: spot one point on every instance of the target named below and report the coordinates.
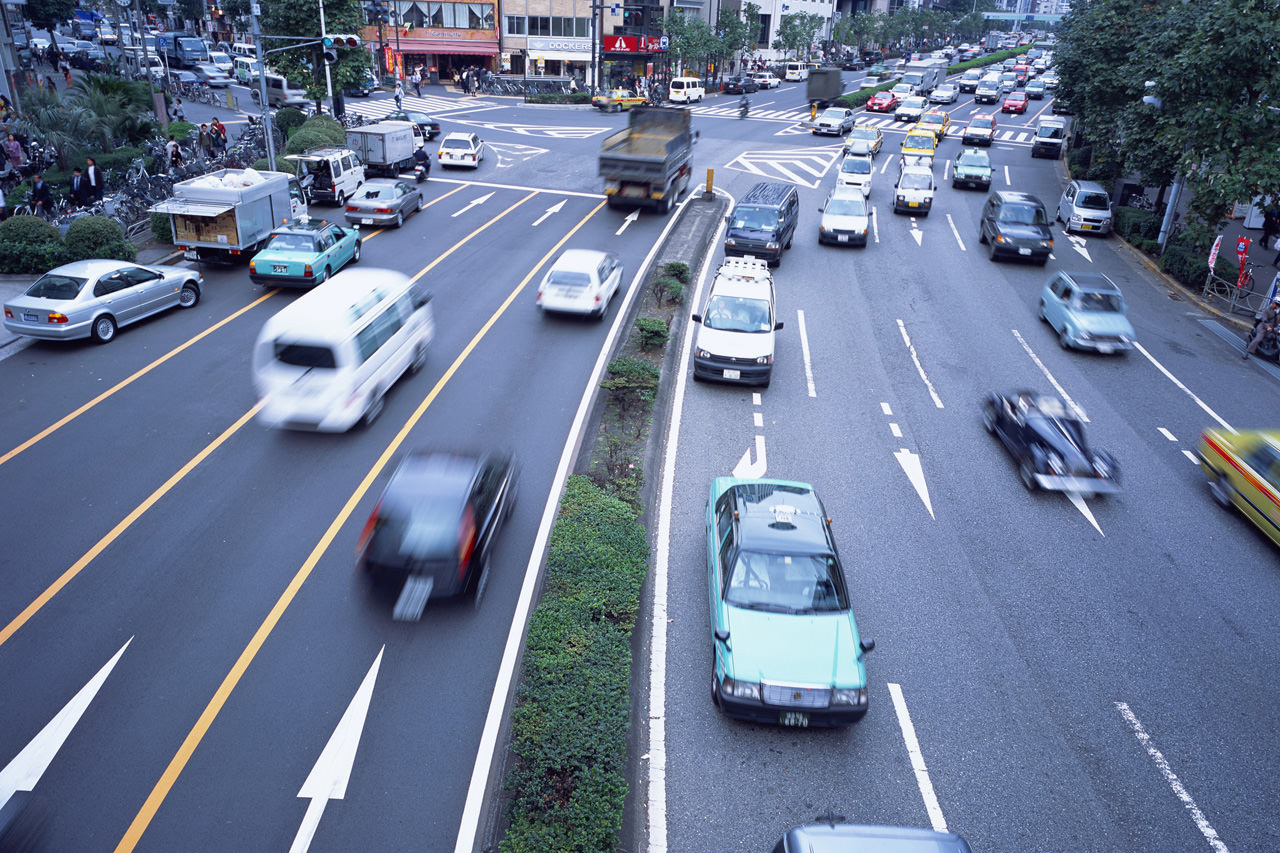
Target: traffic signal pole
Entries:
(328, 82)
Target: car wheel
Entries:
(341, 198)
(991, 251)
(1221, 490)
(1063, 340)
(375, 409)
(103, 329)
(989, 417)
(399, 219)
(715, 688)
(188, 297)
(982, 236)
(324, 276)
(1027, 475)
(1043, 261)
(1040, 312)
(355, 252)
(418, 209)
(419, 359)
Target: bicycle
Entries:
(137, 172)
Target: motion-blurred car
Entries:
(853, 838)
(1050, 80)
(864, 140)
(365, 85)
(947, 93)
(971, 169)
(786, 645)
(383, 201)
(911, 109)
(581, 281)
(212, 76)
(1014, 102)
(904, 90)
(1015, 224)
(846, 217)
(425, 123)
(616, 100)
(856, 170)
(836, 121)
(304, 253)
(981, 130)
(882, 102)
(1047, 441)
(936, 121)
(436, 524)
(1244, 471)
(106, 35)
(461, 149)
(221, 61)
(1087, 311)
(969, 81)
(766, 80)
(880, 71)
(740, 85)
(91, 299)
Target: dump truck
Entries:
(647, 164)
(227, 216)
(386, 147)
(925, 75)
(824, 87)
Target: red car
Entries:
(1014, 102)
(882, 102)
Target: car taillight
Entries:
(352, 209)
(8, 313)
(253, 267)
(382, 210)
(466, 540)
(307, 271)
(54, 317)
(368, 529)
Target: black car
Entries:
(740, 85)
(1015, 225)
(1047, 440)
(434, 527)
(430, 127)
(852, 64)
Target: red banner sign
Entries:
(632, 44)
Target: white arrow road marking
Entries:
(952, 223)
(25, 770)
(1084, 510)
(1077, 243)
(1062, 392)
(631, 217)
(906, 339)
(911, 466)
(916, 232)
(748, 469)
(555, 208)
(481, 200)
(328, 778)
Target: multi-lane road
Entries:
(1089, 676)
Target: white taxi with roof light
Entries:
(735, 341)
(461, 149)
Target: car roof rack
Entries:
(749, 268)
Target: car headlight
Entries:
(740, 689)
(1046, 244)
(701, 353)
(772, 244)
(1056, 464)
(1075, 217)
(729, 241)
(849, 697)
(765, 359)
(902, 198)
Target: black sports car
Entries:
(1047, 440)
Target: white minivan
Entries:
(325, 361)
(686, 90)
(735, 336)
(796, 71)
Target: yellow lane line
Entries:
(179, 762)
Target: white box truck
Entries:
(227, 216)
(386, 147)
(925, 75)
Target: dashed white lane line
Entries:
(1006, 176)
(875, 225)
(954, 231)
(1201, 403)
(895, 429)
(755, 398)
(1197, 816)
(1166, 433)
(1062, 392)
(758, 418)
(1195, 460)
(917, 760)
(884, 407)
(902, 327)
(804, 348)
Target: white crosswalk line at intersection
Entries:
(430, 105)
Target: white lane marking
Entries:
(469, 826)
(804, 348)
(885, 167)
(755, 396)
(884, 407)
(631, 217)
(26, 768)
(759, 419)
(328, 778)
(1166, 433)
(952, 223)
(518, 188)
(1201, 822)
(1062, 392)
(1201, 403)
(946, 172)
(1079, 503)
(474, 203)
(917, 760)
(1006, 176)
(875, 225)
(915, 231)
(895, 429)
(902, 327)
(1195, 460)
(746, 469)
(911, 466)
(555, 208)
(661, 567)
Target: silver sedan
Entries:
(383, 201)
(94, 298)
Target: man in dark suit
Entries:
(79, 188)
(40, 198)
(94, 177)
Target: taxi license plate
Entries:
(190, 254)
(733, 374)
(843, 238)
(1085, 226)
(279, 269)
(1105, 349)
(366, 221)
(30, 318)
(1024, 251)
(793, 718)
(914, 203)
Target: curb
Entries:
(1182, 289)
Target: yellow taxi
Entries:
(614, 100)
(934, 121)
(919, 142)
(1244, 470)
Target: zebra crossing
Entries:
(430, 104)
(884, 122)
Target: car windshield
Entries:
(1093, 201)
(973, 158)
(913, 103)
(785, 583)
(856, 206)
(855, 166)
(568, 278)
(920, 141)
(737, 314)
(1023, 214)
(292, 243)
(833, 114)
(915, 181)
(932, 118)
(755, 218)
(54, 286)
(1109, 303)
(866, 133)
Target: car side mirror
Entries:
(722, 635)
(867, 646)
(697, 318)
(728, 219)
(777, 325)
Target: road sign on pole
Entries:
(664, 43)
(161, 41)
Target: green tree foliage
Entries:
(858, 29)
(1214, 71)
(47, 13)
(693, 41)
(304, 66)
(796, 34)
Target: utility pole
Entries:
(157, 98)
(254, 11)
(328, 81)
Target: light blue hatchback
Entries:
(1087, 311)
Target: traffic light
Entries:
(342, 41)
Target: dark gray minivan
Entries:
(764, 222)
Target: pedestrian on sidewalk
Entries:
(416, 80)
(179, 114)
(79, 188)
(173, 153)
(93, 175)
(399, 93)
(219, 133)
(40, 197)
(205, 141)
(1269, 320)
(13, 150)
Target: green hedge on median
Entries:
(572, 714)
(558, 98)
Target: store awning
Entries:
(566, 55)
(191, 208)
(444, 46)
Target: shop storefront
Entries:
(450, 50)
(625, 59)
(552, 57)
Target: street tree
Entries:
(732, 35)
(857, 29)
(692, 41)
(46, 14)
(796, 33)
(300, 19)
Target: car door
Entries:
(117, 294)
(1067, 203)
(1055, 302)
(720, 549)
(1261, 492)
(155, 291)
(484, 501)
(326, 254)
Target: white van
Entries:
(325, 361)
(796, 71)
(246, 70)
(735, 340)
(281, 93)
(686, 90)
(242, 49)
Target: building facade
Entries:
(439, 37)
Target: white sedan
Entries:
(461, 149)
(766, 80)
(581, 281)
(944, 94)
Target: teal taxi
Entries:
(786, 646)
(304, 253)
(1244, 472)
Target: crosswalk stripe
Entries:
(412, 102)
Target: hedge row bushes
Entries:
(28, 244)
(572, 715)
(567, 98)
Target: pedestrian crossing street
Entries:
(1022, 135)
